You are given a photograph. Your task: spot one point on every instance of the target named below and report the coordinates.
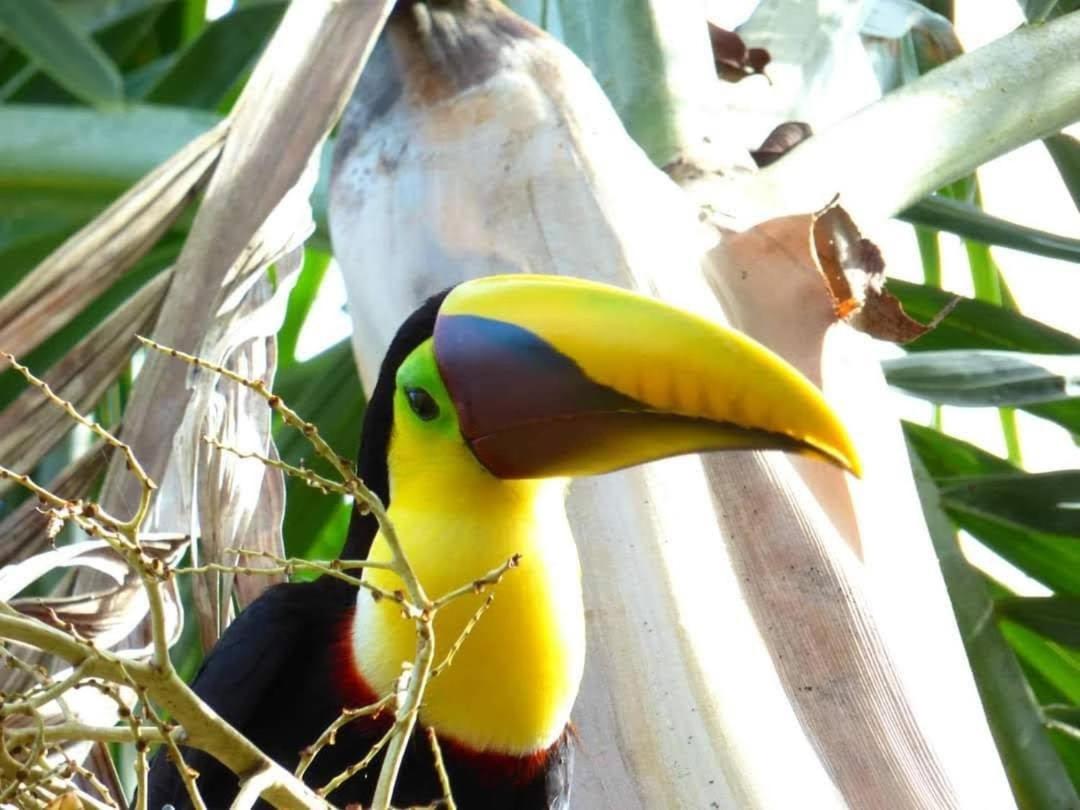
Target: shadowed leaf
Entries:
(208, 68)
(1044, 502)
(68, 55)
(1036, 775)
(734, 60)
(1055, 617)
(971, 222)
(986, 378)
(1065, 150)
(781, 141)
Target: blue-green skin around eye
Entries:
(420, 372)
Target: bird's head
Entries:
(547, 376)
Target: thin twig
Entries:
(356, 767)
(440, 769)
(492, 577)
(287, 567)
(133, 464)
(465, 631)
(329, 736)
(308, 476)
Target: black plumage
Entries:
(280, 673)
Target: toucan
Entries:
(492, 395)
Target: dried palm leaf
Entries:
(31, 425)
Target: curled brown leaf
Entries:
(780, 141)
(854, 274)
(734, 60)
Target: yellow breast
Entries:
(513, 682)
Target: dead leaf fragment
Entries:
(734, 60)
(854, 274)
(107, 616)
(780, 141)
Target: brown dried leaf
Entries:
(23, 531)
(241, 501)
(110, 615)
(264, 534)
(935, 43)
(854, 274)
(734, 60)
(31, 425)
(18, 577)
(102, 251)
(107, 617)
(780, 141)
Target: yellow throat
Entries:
(513, 682)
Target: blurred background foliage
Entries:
(94, 93)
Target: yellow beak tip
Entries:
(846, 458)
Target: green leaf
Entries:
(948, 457)
(28, 241)
(1069, 715)
(1043, 502)
(69, 150)
(209, 67)
(652, 60)
(1035, 773)
(971, 222)
(1060, 666)
(93, 15)
(977, 324)
(316, 263)
(118, 35)
(1037, 11)
(61, 50)
(1050, 559)
(121, 36)
(979, 377)
(930, 253)
(1054, 561)
(1055, 617)
(194, 19)
(1065, 150)
(325, 390)
(72, 161)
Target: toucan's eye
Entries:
(422, 403)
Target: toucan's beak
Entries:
(553, 376)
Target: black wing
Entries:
(276, 651)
